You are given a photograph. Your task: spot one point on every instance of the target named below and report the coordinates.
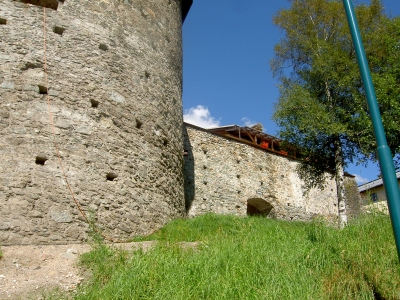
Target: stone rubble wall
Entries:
(115, 80)
(354, 202)
(222, 175)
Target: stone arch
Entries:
(258, 207)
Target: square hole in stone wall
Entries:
(3, 21)
(40, 160)
(59, 30)
(111, 176)
(53, 4)
(42, 89)
(103, 47)
(94, 103)
(139, 124)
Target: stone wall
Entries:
(114, 86)
(224, 176)
(354, 202)
(108, 101)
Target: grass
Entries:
(251, 258)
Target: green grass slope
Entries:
(251, 258)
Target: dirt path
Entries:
(27, 271)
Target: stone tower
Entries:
(101, 81)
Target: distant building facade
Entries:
(374, 191)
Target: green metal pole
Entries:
(384, 155)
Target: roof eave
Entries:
(186, 4)
(373, 184)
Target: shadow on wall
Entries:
(258, 207)
(188, 170)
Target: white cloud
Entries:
(247, 122)
(360, 179)
(200, 116)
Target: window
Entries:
(374, 197)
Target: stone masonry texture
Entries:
(101, 81)
(114, 84)
(223, 176)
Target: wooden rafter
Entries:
(252, 139)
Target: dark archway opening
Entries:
(258, 207)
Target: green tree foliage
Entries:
(322, 108)
(384, 60)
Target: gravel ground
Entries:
(27, 272)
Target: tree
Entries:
(384, 61)
(321, 107)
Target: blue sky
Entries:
(227, 79)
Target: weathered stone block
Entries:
(60, 216)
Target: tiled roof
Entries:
(373, 184)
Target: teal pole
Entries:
(384, 155)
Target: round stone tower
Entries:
(97, 83)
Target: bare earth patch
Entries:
(28, 271)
